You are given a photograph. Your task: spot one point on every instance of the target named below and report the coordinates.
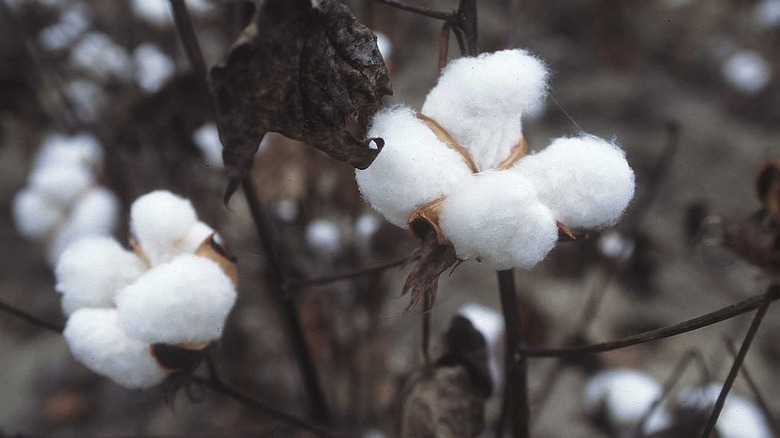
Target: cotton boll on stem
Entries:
(481, 101)
(154, 68)
(61, 184)
(34, 215)
(61, 150)
(159, 221)
(496, 217)
(747, 71)
(490, 324)
(184, 301)
(96, 53)
(413, 168)
(91, 272)
(586, 181)
(206, 138)
(626, 395)
(740, 418)
(97, 341)
(72, 24)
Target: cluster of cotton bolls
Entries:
(326, 237)
(131, 314)
(63, 201)
(620, 398)
(461, 165)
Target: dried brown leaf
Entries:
(309, 73)
(432, 260)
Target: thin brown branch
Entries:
(189, 41)
(739, 360)
(711, 318)
(419, 10)
(444, 45)
(31, 319)
(516, 387)
(328, 279)
(760, 400)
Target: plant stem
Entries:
(739, 359)
(328, 279)
(516, 387)
(426, 12)
(31, 319)
(189, 41)
(665, 332)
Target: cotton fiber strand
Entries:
(413, 168)
(97, 341)
(496, 217)
(480, 101)
(184, 301)
(586, 181)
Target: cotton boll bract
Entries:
(586, 181)
(413, 168)
(97, 341)
(159, 221)
(747, 71)
(184, 301)
(480, 101)
(626, 396)
(91, 272)
(497, 218)
(34, 215)
(154, 68)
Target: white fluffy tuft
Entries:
(99, 55)
(97, 341)
(61, 184)
(61, 150)
(91, 272)
(626, 394)
(154, 67)
(160, 221)
(480, 101)
(34, 215)
(184, 301)
(413, 168)
(586, 181)
(740, 418)
(206, 138)
(496, 216)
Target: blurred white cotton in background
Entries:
(60, 150)
(384, 45)
(73, 22)
(740, 418)
(324, 236)
(286, 210)
(747, 71)
(490, 324)
(154, 67)
(97, 54)
(613, 245)
(626, 395)
(206, 138)
(158, 12)
(88, 98)
(766, 14)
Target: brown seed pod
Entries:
(214, 249)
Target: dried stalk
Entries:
(516, 388)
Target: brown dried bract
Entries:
(304, 72)
(432, 260)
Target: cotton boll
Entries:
(324, 236)
(184, 301)
(747, 71)
(61, 150)
(366, 225)
(159, 221)
(195, 237)
(206, 138)
(61, 184)
(96, 53)
(286, 210)
(496, 217)
(480, 101)
(384, 45)
(766, 14)
(72, 24)
(413, 168)
(626, 395)
(491, 325)
(740, 418)
(97, 341)
(154, 11)
(34, 215)
(586, 181)
(88, 98)
(94, 214)
(91, 271)
(613, 245)
(154, 67)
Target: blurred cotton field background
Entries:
(98, 106)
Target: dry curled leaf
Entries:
(307, 72)
(432, 260)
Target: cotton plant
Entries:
(133, 313)
(461, 166)
(63, 201)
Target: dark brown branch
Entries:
(328, 279)
(189, 41)
(34, 320)
(711, 318)
(516, 387)
(427, 12)
(739, 360)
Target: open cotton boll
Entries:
(61, 150)
(61, 183)
(626, 394)
(154, 67)
(480, 101)
(99, 55)
(73, 23)
(91, 272)
(34, 215)
(496, 217)
(97, 341)
(740, 418)
(766, 14)
(747, 71)
(184, 301)
(586, 181)
(324, 236)
(413, 168)
(94, 214)
(206, 138)
(491, 325)
(159, 221)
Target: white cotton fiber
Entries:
(73, 23)
(159, 221)
(747, 71)
(413, 168)
(61, 150)
(34, 215)
(766, 14)
(585, 181)
(196, 235)
(496, 216)
(99, 55)
(206, 138)
(97, 341)
(184, 301)
(324, 236)
(91, 271)
(480, 101)
(61, 184)
(740, 418)
(154, 67)
(626, 394)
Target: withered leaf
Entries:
(432, 260)
(757, 240)
(309, 73)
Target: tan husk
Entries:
(217, 253)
